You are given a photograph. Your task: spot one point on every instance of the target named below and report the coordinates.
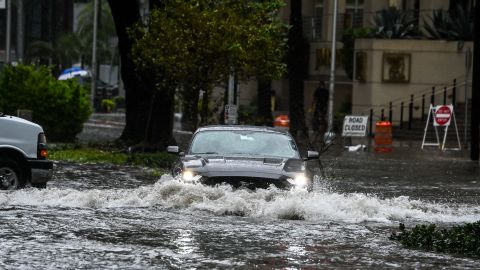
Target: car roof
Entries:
(242, 127)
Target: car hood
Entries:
(265, 167)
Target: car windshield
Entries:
(254, 143)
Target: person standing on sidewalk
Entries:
(319, 106)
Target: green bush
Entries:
(108, 104)
(463, 239)
(60, 107)
(119, 101)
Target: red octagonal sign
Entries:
(443, 114)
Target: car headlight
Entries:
(300, 180)
(189, 176)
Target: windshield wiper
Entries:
(206, 153)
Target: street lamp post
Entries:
(475, 111)
(94, 52)
(329, 134)
(8, 31)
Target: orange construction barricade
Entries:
(383, 137)
(282, 121)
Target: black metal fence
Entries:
(405, 108)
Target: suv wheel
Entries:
(11, 176)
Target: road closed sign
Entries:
(355, 126)
(442, 115)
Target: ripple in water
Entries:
(320, 205)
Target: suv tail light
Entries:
(42, 152)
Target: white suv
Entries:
(23, 154)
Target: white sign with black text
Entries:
(231, 114)
(355, 126)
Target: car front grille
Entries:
(248, 182)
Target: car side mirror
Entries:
(173, 149)
(312, 155)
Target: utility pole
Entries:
(94, 53)
(475, 114)
(329, 133)
(20, 34)
(7, 39)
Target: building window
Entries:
(353, 14)
(399, 4)
(319, 7)
(312, 26)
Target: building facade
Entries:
(432, 62)
(34, 20)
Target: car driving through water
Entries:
(243, 156)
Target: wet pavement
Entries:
(115, 217)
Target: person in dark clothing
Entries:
(320, 105)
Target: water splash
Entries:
(320, 205)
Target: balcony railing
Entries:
(313, 26)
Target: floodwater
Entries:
(102, 217)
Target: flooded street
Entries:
(101, 217)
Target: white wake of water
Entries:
(319, 205)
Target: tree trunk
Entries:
(190, 107)
(158, 134)
(139, 89)
(264, 102)
(297, 61)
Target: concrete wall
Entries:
(432, 63)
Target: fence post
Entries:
(390, 113)
(410, 113)
(432, 97)
(371, 122)
(401, 115)
(423, 107)
(445, 96)
(454, 93)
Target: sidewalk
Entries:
(401, 150)
(104, 128)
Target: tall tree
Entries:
(193, 46)
(148, 115)
(297, 59)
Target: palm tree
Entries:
(394, 23)
(76, 47)
(106, 34)
(453, 24)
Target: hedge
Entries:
(60, 107)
